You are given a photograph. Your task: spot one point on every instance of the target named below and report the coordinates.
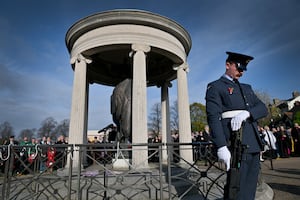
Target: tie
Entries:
(242, 93)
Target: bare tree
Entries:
(47, 128)
(29, 133)
(155, 118)
(263, 96)
(6, 130)
(274, 112)
(63, 128)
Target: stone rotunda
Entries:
(108, 47)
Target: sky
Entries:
(36, 77)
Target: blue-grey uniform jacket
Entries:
(224, 95)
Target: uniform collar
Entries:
(227, 77)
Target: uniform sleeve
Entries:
(257, 108)
(214, 112)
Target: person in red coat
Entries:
(50, 158)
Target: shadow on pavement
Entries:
(289, 171)
(285, 188)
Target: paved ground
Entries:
(284, 179)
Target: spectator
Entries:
(49, 141)
(11, 141)
(296, 138)
(24, 154)
(112, 136)
(43, 157)
(284, 143)
(60, 155)
(264, 143)
(270, 147)
(43, 140)
(50, 158)
(205, 135)
(176, 155)
(16, 165)
(269, 138)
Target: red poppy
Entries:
(230, 90)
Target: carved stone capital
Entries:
(183, 66)
(80, 58)
(141, 47)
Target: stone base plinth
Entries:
(121, 164)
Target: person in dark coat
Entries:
(11, 141)
(4, 151)
(229, 104)
(296, 138)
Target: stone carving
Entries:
(121, 109)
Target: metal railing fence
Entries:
(48, 172)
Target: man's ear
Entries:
(227, 64)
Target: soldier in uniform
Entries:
(230, 105)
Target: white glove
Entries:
(224, 156)
(236, 121)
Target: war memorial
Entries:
(129, 50)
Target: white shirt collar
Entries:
(228, 77)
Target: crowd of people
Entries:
(34, 154)
(281, 142)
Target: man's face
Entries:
(232, 71)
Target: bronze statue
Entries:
(121, 109)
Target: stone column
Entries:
(165, 119)
(79, 108)
(139, 106)
(184, 112)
